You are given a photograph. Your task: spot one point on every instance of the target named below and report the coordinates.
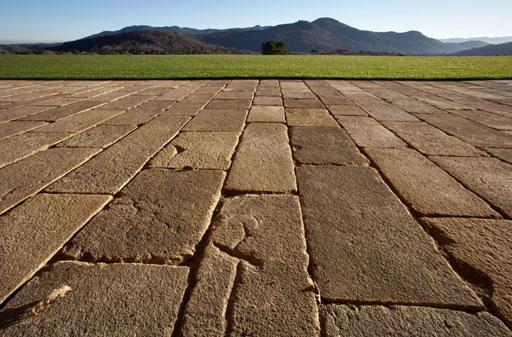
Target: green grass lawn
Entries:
(251, 66)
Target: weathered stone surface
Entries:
(218, 120)
(490, 178)
(235, 95)
(268, 92)
(402, 321)
(62, 112)
(303, 103)
(198, 150)
(205, 314)
(353, 222)
(160, 217)
(225, 104)
(469, 131)
(102, 301)
(367, 132)
(197, 99)
(310, 117)
(486, 118)
(270, 100)
(336, 99)
(270, 114)
(270, 295)
(432, 141)
(18, 147)
(28, 176)
(320, 145)
(20, 111)
(263, 162)
(141, 114)
(80, 122)
(109, 171)
(302, 94)
(18, 127)
(379, 109)
(33, 232)
(347, 110)
(185, 109)
(480, 250)
(426, 187)
(181, 91)
(58, 101)
(503, 154)
(100, 136)
(127, 102)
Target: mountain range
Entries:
(490, 50)
(324, 35)
(489, 40)
(148, 41)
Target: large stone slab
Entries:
(367, 132)
(127, 102)
(347, 110)
(425, 187)
(262, 286)
(198, 150)
(15, 148)
(28, 176)
(301, 103)
(141, 114)
(98, 300)
(386, 112)
(319, 145)
(205, 314)
(58, 101)
(80, 122)
(263, 162)
(480, 250)
(100, 136)
(231, 104)
(469, 131)
(310, 117)
(486, 118)
(19, 112)
(33, 232)
(490, 178)
(109, 171)
(268, 114)
(159, 217)
(18, 127)
(268, 101)
(231, 95)
(432, 141)
(366, 247)
(218, 120)
(51, 115)
(185, 108)
(378, 321)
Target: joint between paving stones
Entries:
(389, 304)
(311, 263)
(195, 261)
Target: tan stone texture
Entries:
(263, 162)
(113, 301)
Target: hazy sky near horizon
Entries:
(62, 20)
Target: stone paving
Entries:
(255, 208)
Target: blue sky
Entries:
(60, 20)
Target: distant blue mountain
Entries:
(503, 49)
(489, 40)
